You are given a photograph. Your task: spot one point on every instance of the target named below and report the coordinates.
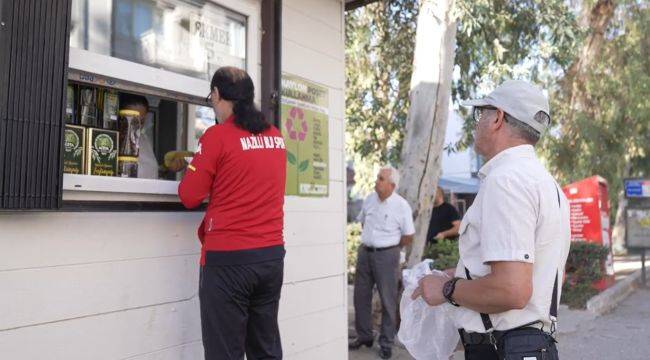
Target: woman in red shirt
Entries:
(240, 165)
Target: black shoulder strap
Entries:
(487, 323)
(553, 310)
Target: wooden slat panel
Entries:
(313, 228)
(301, 61)
(190, 351)
(314, 262)
(40, 240)
(313, 330)
(336, 164)
(161, 332)
(335, 202)
(316, 35)
(53, 294)
(337, 349)
(60, 293)
(112, 336)
(337, 104)
(329, 12)
(308, 297)
(336, 134)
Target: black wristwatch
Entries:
(448, 290)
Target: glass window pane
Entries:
(203, 118)
(191, 38)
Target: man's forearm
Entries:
(451, 232)
(486, 295)
(406, 240)
(448, 233)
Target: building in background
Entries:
(459, 169)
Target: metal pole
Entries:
(643, 279)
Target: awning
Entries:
(459, 185)
(353, 4)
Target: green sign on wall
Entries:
(304, 122)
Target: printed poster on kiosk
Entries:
(305, 128)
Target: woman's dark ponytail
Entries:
(235, 85)
(248, 117)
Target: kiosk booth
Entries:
(589, 211)
(98, 258)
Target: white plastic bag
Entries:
(426, 331)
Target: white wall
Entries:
(123, 285)
(313, 48)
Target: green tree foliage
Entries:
(496, 39)
(353, 241)
(379, 56)
(612, 131)
(444, 254)
(501, 39)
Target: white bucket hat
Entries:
(519, 99)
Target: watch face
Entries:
(446, 289)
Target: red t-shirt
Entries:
(244, 176)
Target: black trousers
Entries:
(239, 310)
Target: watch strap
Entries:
(448, 290)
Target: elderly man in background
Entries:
(387, 221)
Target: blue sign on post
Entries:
(637, 188)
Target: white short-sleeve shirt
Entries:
(385, 222)
(519, 214)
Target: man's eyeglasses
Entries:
(478, 111)
(208, 98)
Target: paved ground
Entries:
(622, 334)
(626, 264)
(371, 354)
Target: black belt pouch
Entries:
(527, 344)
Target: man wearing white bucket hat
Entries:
(514, 239)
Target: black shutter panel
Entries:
(34, 36)
(271, 59)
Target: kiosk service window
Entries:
(138, 74)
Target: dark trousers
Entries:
(239, 310)
(379, 268)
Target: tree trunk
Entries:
(618, 231)
(595, 19)
(427, 119)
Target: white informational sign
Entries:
(637, 188)
(638, 228)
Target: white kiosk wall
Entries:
(123, 285)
